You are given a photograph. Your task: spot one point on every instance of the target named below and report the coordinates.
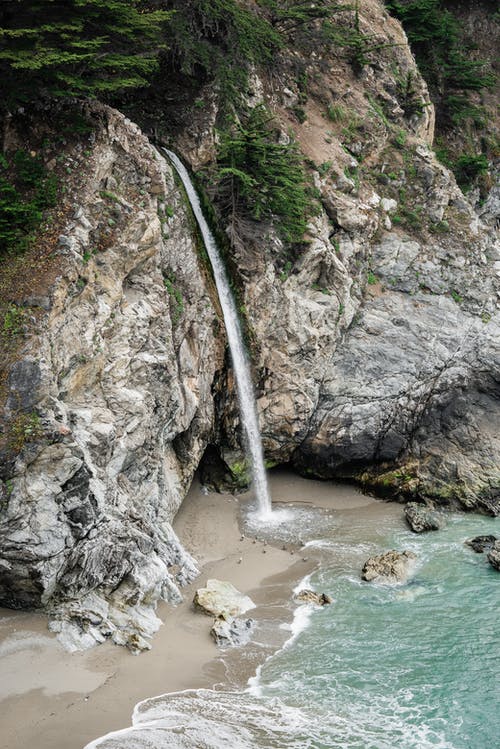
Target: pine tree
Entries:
(437, 41)
(263, 178)
(85, 48)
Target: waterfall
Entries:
(244, 386)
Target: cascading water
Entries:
(246, 398)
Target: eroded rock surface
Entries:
(480, 544)
(421, 518)
(377, 347)
(389, 568)
(119, 380)
(231, 631)
(494, 556)
(311, 596)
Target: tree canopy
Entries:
(74, 48)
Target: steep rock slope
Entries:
(116, 383)
(377, 347)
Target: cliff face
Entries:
(376, 348)
(120, 373)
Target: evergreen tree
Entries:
(262, 178)
(76, 47)
(436, 39)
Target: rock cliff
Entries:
(377, 349)
(116, 381)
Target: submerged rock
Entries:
(422, 518)
(222, 599)
(390, 567)
(311, 596)
(480, 544)
(494, 556)
(230, 631)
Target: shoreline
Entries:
(56, 700)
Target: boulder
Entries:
(479, 544)
(494, 556)
(422, 518)
(230, 631)
(222, 599)
(311, 596)
(390, 567)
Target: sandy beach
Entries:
(51, 699)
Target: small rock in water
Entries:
(390, 567)
(311, 596)
(222, 599)
(422, 518)
(481, 543)
(494, 556)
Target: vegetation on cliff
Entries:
(456, 76)
(77, 48)
(261, 178)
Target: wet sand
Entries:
(51, 699)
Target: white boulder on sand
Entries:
(222, 599)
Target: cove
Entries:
(410, 666)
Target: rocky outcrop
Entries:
(222, 599)
(494, 556)
(480, 544)
(311, 596)
(231, 631)
(117, 381)
(389, 568)
(421, 518)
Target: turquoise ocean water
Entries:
(413, 666)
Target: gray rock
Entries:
(222, 599)
(122, 381)
(422, 518)
(23, 385)
(311, 596)
(390, 567)
(494, 556)
(480, 544)
(231, 632)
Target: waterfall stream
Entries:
(246, 397)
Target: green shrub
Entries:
(442, 56)
(468, 167)
(27, 427)
(13, 322)
(26, 190)
(336, 112)
(219, 39)
(169, 281)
